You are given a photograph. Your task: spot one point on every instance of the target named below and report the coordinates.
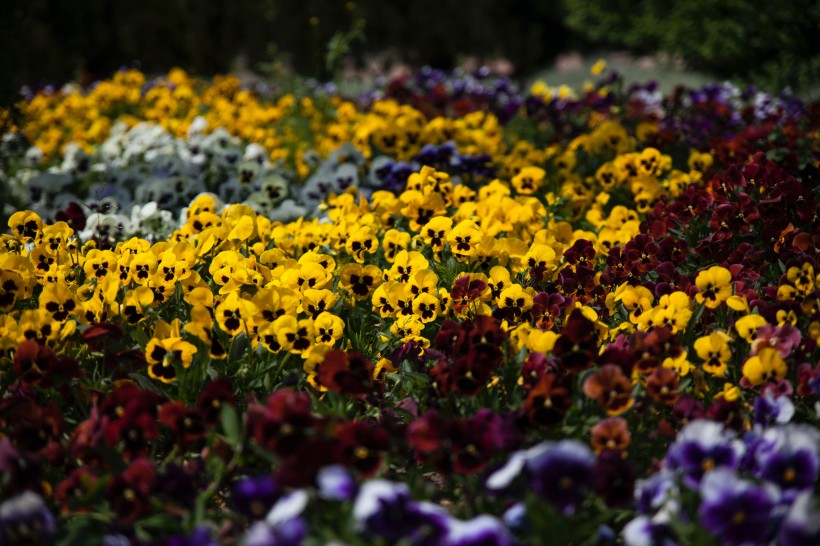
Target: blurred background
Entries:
(770, 44)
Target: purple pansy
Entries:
(559, 472)
(644, 531)
(336, 483)
(483, 530)
(789, 457)
(802, 524)
(385, 509)
(254, 496)
(770, 410)
(25, 519)
(736, 511)
(289, 533)
(702, 446)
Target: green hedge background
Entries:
(773, 44)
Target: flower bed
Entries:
(251, 316)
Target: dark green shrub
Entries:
(770, 44)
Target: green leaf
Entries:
(238, 348)
(78, 531)
(231, 425)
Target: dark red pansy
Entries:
(346, 373)
(362, 446)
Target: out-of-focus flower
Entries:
(25, 519)
(702, 446)
(736, 511)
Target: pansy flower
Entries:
(59, 301)
(405, 266)
(801, 525)
(384, 509)
(186, 424)
(13, 286)
(611, 433)
(736, 511)
(764, 367)
(129, 493)
(700, 447)
(25, 519)
(436, 232)
(255, 495)
(166, 350)
(99, 263)
(662, 385)
(362, 241)
(283, 423)
(135, 303)
(715, 351)
(294, 335)
(359, 280)
(235, 315)
(361, 445)
(610, 388)
(345, 373)
(25, 225)
(329, 328)
(714, 285)
(748, 326)
(425, 307)
(419, 208)
(789, 457)
(561, 473)
(549, 400)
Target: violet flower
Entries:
(254, 496)
(559, 472)
(201, 536)
(643, 531)
(24, 519)
(290, 533)
(385, 509)
(656, 493)
(738, 512)
(700, 447)
(483, 530)
(770, 410)
(789, 457)
(802, 524)
(336, 483)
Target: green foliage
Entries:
(769, 44)
(59, 40)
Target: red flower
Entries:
(134, 431)
(129, 493)
(547, 308)
(549, 400)
(216, 393)
(662, 385)
(87, 437)
(610, 388)
(577, 346)
(99, 335)
(362, 446)
(283, 423)
(346, 373)
(610, 434)
(186, 424)
(37, 365)
(642, 254)
(460, 445)
(533, 370)
(73, 492)
(33, 428)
